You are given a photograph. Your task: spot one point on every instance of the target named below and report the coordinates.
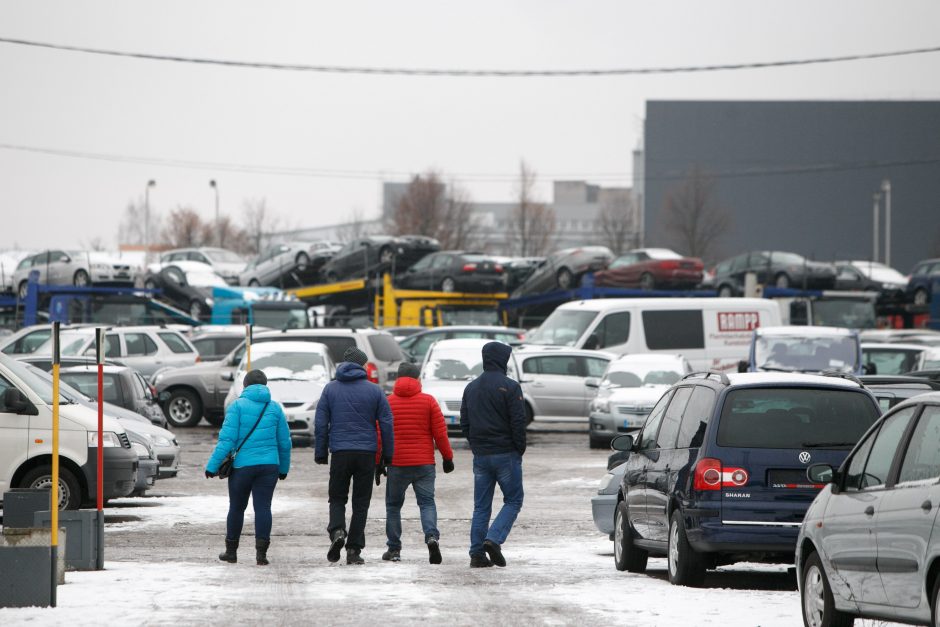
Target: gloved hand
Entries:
(386, 461)
(448, 465)
(209, 475)
(378, 475)
(322, 460)
(282, 477)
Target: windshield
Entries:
(638, 375)
(70, 342)
(224, 256)
(450, 317)
(562, 328)
(40, 386)
(794, 418)
(806, 354)
(290, 366)
(280, 318)
(850, 314)
(205, 279)
(892, 360)
(463, 364)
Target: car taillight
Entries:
(372, 372)
(198, 358)
(498, 268)
(670, 264)
(153, 390)
(469, 267)
(711, 475)
(521, 336)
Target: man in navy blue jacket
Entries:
(345, 425)
(492, 418)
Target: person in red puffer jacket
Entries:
(419, 426)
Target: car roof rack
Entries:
(708, 373)
(843, 375)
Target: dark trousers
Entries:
(360, 468)
(258, 482)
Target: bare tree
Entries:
(421, 209)
(460, 228)
(133, 226)
(354, 229)
(617, 220)
(257, 219)
(184, 228)
(531, 223)
(96, 243)
(692, 216)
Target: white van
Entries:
(712, 333)
(26, 442)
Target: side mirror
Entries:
(228, 375)
(592, 382)
(869, 368)
(622, 443)
(16, 402)
(743, 365)
(820, 473)
(592, 342)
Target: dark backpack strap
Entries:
(260, 416)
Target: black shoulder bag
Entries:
(228, 464)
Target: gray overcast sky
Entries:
(568, 126)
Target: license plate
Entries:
(630, 423)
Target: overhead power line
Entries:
(471, 73)
(379, 175)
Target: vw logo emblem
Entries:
(805, 457)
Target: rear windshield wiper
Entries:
(827, 444)
(773, 369)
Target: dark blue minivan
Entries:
(717, 475)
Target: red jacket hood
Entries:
(407, 386)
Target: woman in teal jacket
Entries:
(263, 459)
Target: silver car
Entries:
(279, 260)
(146, 349)
(604, 503)
(226, 263)
(867, 545)
(554, 380)
(72, 267)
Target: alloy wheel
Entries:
(618, 535)
(673, 548)
(814, 596)
(181, 409)
(81, 279)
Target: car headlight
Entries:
(606, 481)
(210, 302)
(159, 440)
(602, 405)
(140, 449)
(108, 439)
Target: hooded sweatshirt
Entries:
(270, 441)
(347, 413)
(492, 414)
(419, 425)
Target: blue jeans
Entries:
(504, 469)
(258, 482)
(421, 478)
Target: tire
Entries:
(725, 291)
(150, 284)
(386, 255)
(686, 566)
(782, 280)
(196, 309)
(70, 496)
(81, 279)
(22, 289)
(920, 296)
(596, 442)
(564, 279)
(935, 603)
(183, 408)
(529, 414)
(302, 260)
(215, 421)
(816, 601)
(626, 555)
(448, 285)
(254, 283)
(331, 277)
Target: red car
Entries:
(651, 268)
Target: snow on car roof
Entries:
(804, 331)
(788, 378)
(271, 348)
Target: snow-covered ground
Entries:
(161, 565)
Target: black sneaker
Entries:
(392, 555)
(352, 557)
(480, 560)
(339, 541)
(434, 551)
(496, 554)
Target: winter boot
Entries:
(495, 552)
(338, 541)
(230, 554)
(434, 551)
(352, 557)
(480, 560)
(392, 555)
(261, 551)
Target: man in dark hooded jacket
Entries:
(492, 418)
(345, 425)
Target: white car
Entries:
(628, 391)
(279, 260)
(899, 358)
(448, 367)
(73, 267)
(226, 263)
(297, 373)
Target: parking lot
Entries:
(161, 559)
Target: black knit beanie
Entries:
(356, 356)
(256, 377)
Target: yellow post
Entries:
(389, 313)
(54, 491)
(247, 347)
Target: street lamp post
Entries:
(218, 235)
(150, 183)
(886, 188)
(875, 235)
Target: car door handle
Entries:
(926, 505)
(536, 384)
(869, 511)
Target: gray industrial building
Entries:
(800, 175)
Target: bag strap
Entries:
(260, 416)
